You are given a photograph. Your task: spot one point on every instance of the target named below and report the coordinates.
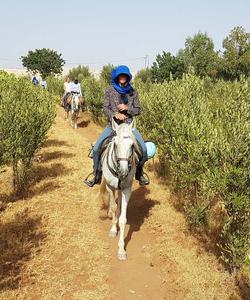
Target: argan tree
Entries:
(44, 61)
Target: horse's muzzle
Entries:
(123, 168)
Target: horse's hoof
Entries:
(112, 234)
(122, 256)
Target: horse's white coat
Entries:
(121, 147)
(75, 107)
(74, 110)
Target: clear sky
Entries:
(95, 32)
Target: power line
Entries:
(146, 61)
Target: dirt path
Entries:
(72, 256)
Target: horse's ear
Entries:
(114, 125)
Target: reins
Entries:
(115, 160)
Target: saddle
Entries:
(105, 145)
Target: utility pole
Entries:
(146, 61)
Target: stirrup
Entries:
(92, 173)
(91, 182)
(146, 177)
(96, 180)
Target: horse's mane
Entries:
(124, 128)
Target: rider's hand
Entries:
(120, 117)
(122, 107)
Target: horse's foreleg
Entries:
(74, 119)
(112, 210)
(125, 195)
(65, 115)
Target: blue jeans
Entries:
(105, 134)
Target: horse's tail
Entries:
(81, 100)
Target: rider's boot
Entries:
(97, 178)
(139, 175)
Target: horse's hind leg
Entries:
(122, 223)
(112, 211)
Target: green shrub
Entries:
(26, 114)
(145, 75)
(94, 97)
(106, 72)
(79, 73)
(203, 135)
(55, 86)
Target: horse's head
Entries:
(124, 143)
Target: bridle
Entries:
(128, 159)
(116, 161)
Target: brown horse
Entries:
(73, 103)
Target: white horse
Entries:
(73, 104)
(118, 167)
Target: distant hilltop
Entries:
(15, 71)
(23, 71)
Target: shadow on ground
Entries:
(83, 123)
(56, 155)
(18, 239)
(138, 210)
(38, 173)
(54, 143)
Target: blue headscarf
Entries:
(115, 74)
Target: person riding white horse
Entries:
(75, 87)
(73, 102)
(121, 104)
